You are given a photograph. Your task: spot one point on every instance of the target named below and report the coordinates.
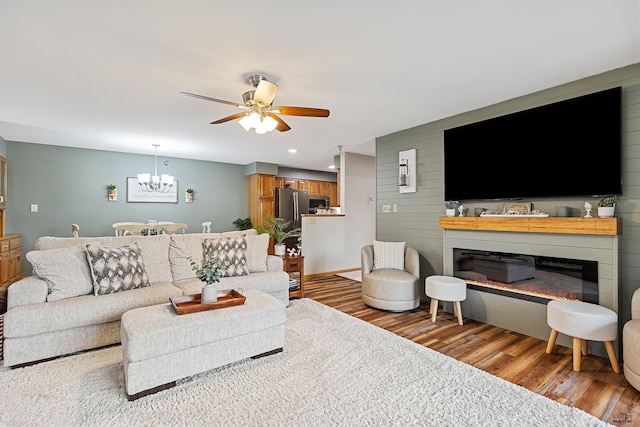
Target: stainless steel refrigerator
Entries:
(290, 205)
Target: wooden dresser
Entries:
(10, 258)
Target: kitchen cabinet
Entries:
(261, 197)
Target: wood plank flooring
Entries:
(514, 357)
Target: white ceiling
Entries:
(106, 75)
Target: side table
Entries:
(294, 265)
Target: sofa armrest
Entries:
(635, 305)
(412, 261)
(274, 263)
(366, 259)
(29, 290)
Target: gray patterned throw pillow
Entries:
(232, 250)
(116, 269)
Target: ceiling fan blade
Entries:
(301, 111)
(265, 92)
(282, 126)
(228, 118)
(207, 98)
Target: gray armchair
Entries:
(390, 289)
(631, 343)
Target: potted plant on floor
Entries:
(607, 206)
(209, 271)
(275, 227)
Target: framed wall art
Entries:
(136, 193)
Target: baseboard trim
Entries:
(329, 273)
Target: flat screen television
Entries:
(570, 148)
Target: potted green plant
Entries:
(607, 206)
(112, 191)
(209, 271)
(275, 227)
(242, 224)
(451, 207)
(321, 209)
(189, 195)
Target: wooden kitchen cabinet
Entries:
(10, 258)
(261, 197)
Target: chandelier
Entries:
(155, 183)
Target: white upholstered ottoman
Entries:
(445, 288)
(160, 346)
(583, 321)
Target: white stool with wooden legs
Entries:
(445, 288)
(583, 321)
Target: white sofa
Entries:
(61, 315)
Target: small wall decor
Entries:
(112, 193)
(137, 194)
(407, 171)
(188, 196)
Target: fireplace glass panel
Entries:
(528, 277)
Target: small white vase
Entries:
(209, 294)
(451, 212)
(279, 250)
(606, 211)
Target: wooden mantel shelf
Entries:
(599, 226)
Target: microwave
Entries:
(315, 201)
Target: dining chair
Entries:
(74, 230)
(122, 228)
(173, 228)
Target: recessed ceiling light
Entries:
(293, 150)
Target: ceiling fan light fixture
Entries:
(270, 123)
(245, 122)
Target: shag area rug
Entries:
(335, 370)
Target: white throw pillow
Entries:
(257, 252)
(65, 270)
(388, 255)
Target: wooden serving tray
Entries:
(192, 303)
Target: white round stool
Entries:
(583, 321)
(445, 288)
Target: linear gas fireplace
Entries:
(527, 277)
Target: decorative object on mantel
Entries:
(275, 227)
(189, 195)
(461, 210)
(451, 207)
(516, 208)
(209, 271)
(407, 171)
(588, 207)
(112, 192)
(607, 206)
(563, 211)
(155, 183)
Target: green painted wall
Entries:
(69, 186)
(417, 219)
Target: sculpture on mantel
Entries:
(461, 210)
(588, 208)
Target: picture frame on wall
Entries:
(136, 194)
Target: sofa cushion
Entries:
(388, 255)
(257, 252)
(154, 250)
(66, 271)
(231, 251)
(116, 269)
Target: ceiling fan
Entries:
(258, 111)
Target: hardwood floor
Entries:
(514, 357)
